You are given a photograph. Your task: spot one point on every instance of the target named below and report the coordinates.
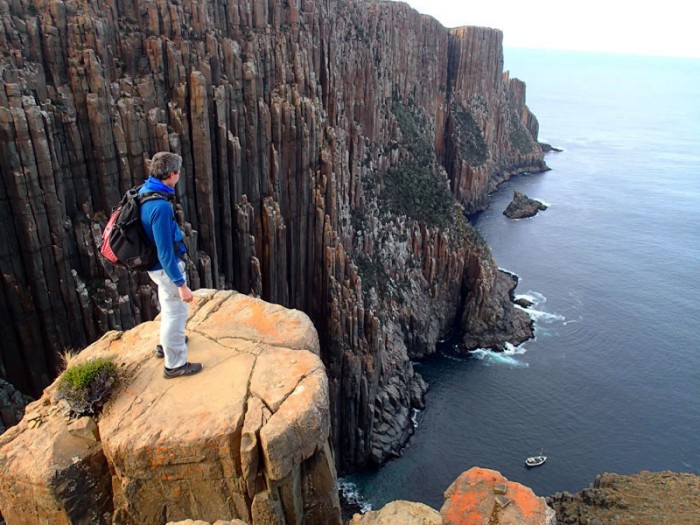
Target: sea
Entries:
(611, 381)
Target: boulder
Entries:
(481, 496)
(403, 512)
(522, 302)
(246, 438)
(523, 206)
(477, 497)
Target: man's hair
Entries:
(163, 163)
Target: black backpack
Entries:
(124, 241)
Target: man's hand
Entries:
(185, 293)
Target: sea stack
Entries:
(522, 206)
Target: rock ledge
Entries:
(247, 438)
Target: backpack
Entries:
(124, 241)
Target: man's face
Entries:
(173, 179)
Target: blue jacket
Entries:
(158, 221)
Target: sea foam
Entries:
(537, 299)
(414, 417)
(507, 357)
(542, 316)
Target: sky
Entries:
(665, 28)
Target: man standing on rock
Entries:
(158, 220)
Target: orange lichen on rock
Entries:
(225, 313)
(471, 500)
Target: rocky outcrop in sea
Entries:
(331, 150)
(522, 206)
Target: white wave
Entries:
(543, 317)
(549, 205)
(489, 357)
(529, 298)
(511, 349)
(509, 273)
(414, 417)
(573, 320)
(534, 297)
(351, 494)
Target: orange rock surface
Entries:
(246, 438)
(472, 500)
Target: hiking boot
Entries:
(159, 349)
(187, 369)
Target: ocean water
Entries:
(611, 381)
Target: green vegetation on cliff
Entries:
(416, 187)
(418, 193)
(467, 133)
(87, 386)
(519, 137)
(414, 132)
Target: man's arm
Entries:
(161, 224)
(185, 293)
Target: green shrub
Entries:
(519, 137)
(469, 138)
(415, 134)
(87, 386)
(416, 187)
(419, 193)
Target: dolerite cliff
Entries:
(246, 438)
(331, 150)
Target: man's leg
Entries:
(173, 317)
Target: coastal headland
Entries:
(331, 151)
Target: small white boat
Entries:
(535, 461)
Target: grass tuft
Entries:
(86, 387)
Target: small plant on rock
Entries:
(86, 387)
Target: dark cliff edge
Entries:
(331, 150)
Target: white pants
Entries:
(173, 317)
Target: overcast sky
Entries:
(667, 27)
